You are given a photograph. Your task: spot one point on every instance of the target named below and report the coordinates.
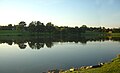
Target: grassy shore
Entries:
(17, 33)
(87, 33)
(109, 67)
(20, 33)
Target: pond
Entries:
(39, 54)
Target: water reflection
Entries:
(37, 42)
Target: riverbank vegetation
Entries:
(39, 28)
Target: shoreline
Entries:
(112, 66)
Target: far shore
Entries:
(26, 33)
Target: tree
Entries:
(22, 23)
(83, 28)
(10, 27)
(32, 26)
(50, 27)
(40, 27)
(49, 24)
(22, 26)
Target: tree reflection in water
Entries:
(35, 45)
(22, 45)
(37, 42)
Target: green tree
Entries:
(83, 28)
(50, 27)
(32, 26)
(40, 27)
(10, 26)
(21, 26)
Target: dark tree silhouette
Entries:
(21, 26)
(32, 26)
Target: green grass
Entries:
(19, 33)
(26, 33)
(11, 32)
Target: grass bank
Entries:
(27, 33)
(20, 33)
(17, 33)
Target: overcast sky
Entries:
(62, 12)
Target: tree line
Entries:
(39, 27)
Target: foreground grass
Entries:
(110, 67)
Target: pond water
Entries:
(37, 55)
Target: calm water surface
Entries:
(27, 58)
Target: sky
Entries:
(93, 13)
